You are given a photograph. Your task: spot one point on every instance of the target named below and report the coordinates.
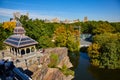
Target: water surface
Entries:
(85, 71)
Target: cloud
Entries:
(6, 12)
(9, 12)
(32, 14)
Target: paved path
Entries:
(84, 43)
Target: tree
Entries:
(60, 36)
(73, 42)
(23, 18)
(9, 25)
(116, 26)
(108, 52)
(4, 33)
(67, 37)
(45, 42)
(94, 54)
(103, 27)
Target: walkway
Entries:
(84, 43)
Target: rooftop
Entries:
(19, 39)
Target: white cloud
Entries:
(8, 12)
(32, 14)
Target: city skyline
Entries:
(106, 10)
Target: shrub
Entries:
(54, 59)
(66, 71)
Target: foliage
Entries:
(98, 27)
(67, 37)
(86, 27)
(4, 33)
(66, 71)
(93, 52)
(116, 26)
(54, 59)
(23, 18)
(105, 51)
(9, 25)
(103, 27)
(44, 33)
(45, 42)
(60, 36)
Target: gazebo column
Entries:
(16, 52)
(13, 50)
(20, 52)
(10, 50)
(25, 51)
(30, 48)
(34, 48)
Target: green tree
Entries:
(116, 26)
(45, 42)
(4, 34)
(109, 50)
(94, 54)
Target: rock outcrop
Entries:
(62, 54)
(46, 73)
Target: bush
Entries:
(66, 71)
(54, 59)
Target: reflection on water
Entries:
(104, 74)
(81, 72)
(85, 71)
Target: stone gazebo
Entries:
(19, 43)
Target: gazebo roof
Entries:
(19, 41)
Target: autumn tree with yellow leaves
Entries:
(9, 25)
(94, 54)
(65, 37)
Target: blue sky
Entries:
(106, 10)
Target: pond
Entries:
(85, 71)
